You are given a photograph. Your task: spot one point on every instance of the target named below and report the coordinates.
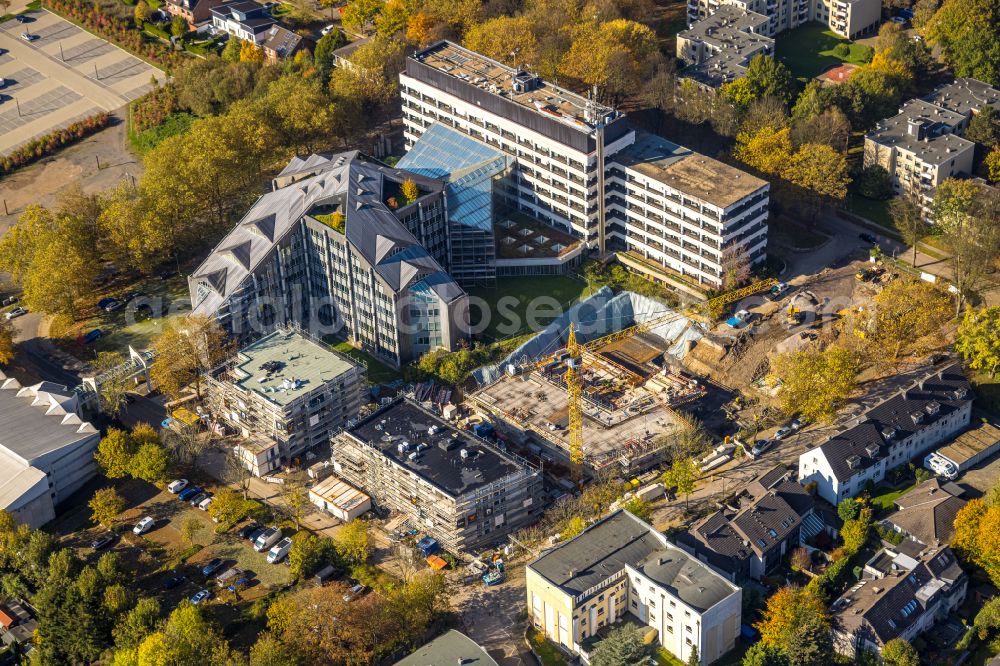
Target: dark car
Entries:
(247, 530)
(256, 533)
(196, 500)
(240, 584)
(212, 566)
(868, 238)
(173, 582)
(21, 18)
(102, 541)
(188, 493)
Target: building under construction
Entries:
(629, 385)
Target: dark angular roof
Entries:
(600, 551)
(904, 414)
(686, 578)
(927, 513)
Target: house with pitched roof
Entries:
(752, 534)
(927, 513)
(337, 248)
(934, 407)
(46, 449)
(904, 590)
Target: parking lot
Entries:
(63, 75)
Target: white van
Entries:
(279, 550)
(267, 539)
(941, 466)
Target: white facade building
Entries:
(557, 140)
(620, 568)
(46, 449)
(847, 18)
(894, 432)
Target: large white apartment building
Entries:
(897, 430)
(647, 198)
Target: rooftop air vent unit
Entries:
(523, 82)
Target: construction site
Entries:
(616, 359)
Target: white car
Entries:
(177, 486)
(15, 313)
(203, 505)
(144, 525)
(28, 37)
(327, 30)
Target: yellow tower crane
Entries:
(574, 362)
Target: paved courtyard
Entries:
(64, 75)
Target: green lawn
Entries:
(987, 390)
(513, 299)
(885, 501)
(378, 372)
(872, 210)
(809, 50)
(665, 658)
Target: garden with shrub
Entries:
(53, 141)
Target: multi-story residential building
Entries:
(195, 12)
(901, 428)
(335, 247)
(284, 394)
(244, 19)
(461, 489)
(281, 43)
(922, 145)
(904, 590)
(718, 48)
(557, 140)
(46, 449)
(677, 214)
(749, 537)
(927, 513)
(847, 18)
(620, 567)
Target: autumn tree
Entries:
(114, 453)
(767, 150)
(968, 216)
(830, 127)
(819, 170)
(250, 52)
(908, 218)
(187, 637)
(409, 190)
(904, 313)
(639, 508)
(615, 56)
(984, 127)
(816, 383)
(978, 339)
(191, 527)
(509, 39)
(309, 553)
(899, 652)
(795, 623)
(151, 463)
(185, 350)
(358, 15)
(105, 506)
(967, 33)
(6, 342)
(855, 532)
(141, 13)
(992, 164)
(800, 559)
(682, 475)
(113, 388)
(764, 77)
(353, 542)
(764, 655)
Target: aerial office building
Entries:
(649, 190)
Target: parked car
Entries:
(15, 313)
(739, 319)
(177, 486)
(279, 551)
(327, 30)
(356, 592)
(898, 19)
(198, 499)
(21, 18)
(783, 433)
(92, 336)
(232, 572)
(796, 424)
(114, 305)
(102, 541)
(173, 582)
(247, 530)
(266, 539)
(777, 291)
(144, 525)
(28, 37)
(213, 566)
(187, 494)
(760, 446)
(200, 596)
(255, 534)
(105, 302)
(203, 505)
(867, 237)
